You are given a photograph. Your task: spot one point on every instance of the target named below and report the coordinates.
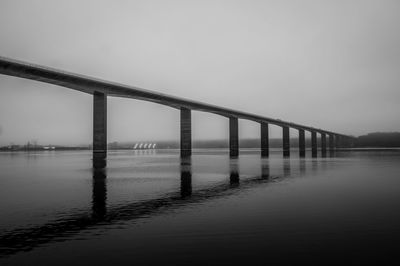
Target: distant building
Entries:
(144, 146)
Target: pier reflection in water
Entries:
(252, 178)
(234, 172)
(99, 194)
(286, 167)
(24, 239)
(186, 177)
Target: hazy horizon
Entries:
(333, 65)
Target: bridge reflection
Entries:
(101, 215)
(99, 194)
(186, 177)
(234, 172)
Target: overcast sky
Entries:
(328, 64)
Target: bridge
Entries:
(101, 89)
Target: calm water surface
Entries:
(150, 208)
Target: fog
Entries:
(329, 64)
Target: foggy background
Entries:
(329, 64)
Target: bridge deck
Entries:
(90, 85)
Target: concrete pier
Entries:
(186, 132)
(286, 141)
(323, 144)
(233, 137)
(338, 141)
(314, 145)
(99, 130)
(331, 142)
(348, 142)
(302, 143)
(264, 140)
(344, 143)
(351, 143)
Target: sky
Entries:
(328, 64)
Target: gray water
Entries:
(150, 208)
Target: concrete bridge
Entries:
(101, 89)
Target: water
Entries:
(149, 208)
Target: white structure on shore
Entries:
(144, 146)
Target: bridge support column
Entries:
(186, 132)
(351, 143)
(302, 143)
(264, 140)
(345, 142)
(338, 141)
(286, 141)
(323, 144)
(314, 145)
(99, 130)
(233, 137)
(331, 142)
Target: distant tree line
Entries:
(379, 139)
